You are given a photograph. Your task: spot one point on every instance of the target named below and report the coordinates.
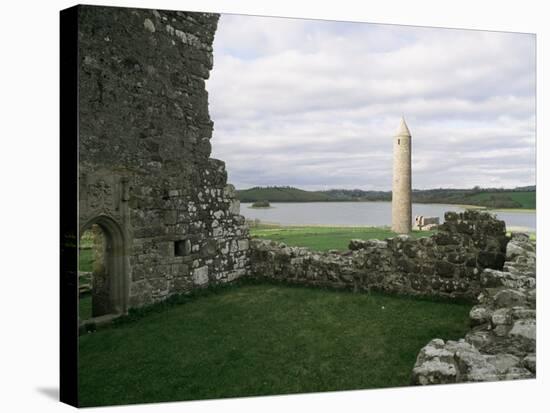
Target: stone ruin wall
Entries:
(501, 344)
(144, 147)
(446, 264)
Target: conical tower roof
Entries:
(403, 129)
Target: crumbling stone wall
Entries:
(144, 148)
(502, 342)
(447, 264)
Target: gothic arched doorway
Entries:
(106, 261)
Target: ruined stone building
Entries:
(401, 188)
(170, 221)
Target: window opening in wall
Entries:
(182, 248)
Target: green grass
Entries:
(521, 199)
(265, 339)
(324, 238)
(85, 263)
(85, 307)
(85, 259)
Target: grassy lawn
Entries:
(85, 307)
(85, 259)
(324, 238)
(85, 263)
(265, 339)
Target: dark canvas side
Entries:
(68, 205)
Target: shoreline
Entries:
(277, 225)
(489, 209)
(464, 206)
(512, 210)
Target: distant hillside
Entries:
(521, 197)
(358, 195)
(490, 197)
(281, 194)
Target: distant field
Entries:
(525, 200)
(85, 307)
(85, 259)
(325, 238)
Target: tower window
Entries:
(399, 141)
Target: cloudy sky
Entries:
(314, 104)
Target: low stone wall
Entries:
(448, 264)
(502, 342)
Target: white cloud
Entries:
(314, 104)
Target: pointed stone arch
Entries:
(115, 259)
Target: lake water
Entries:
(364, 214)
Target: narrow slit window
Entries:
(399, 141)
(179, 248)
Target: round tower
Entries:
(401, 189)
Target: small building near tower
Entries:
(401, 186)
(423, 223)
